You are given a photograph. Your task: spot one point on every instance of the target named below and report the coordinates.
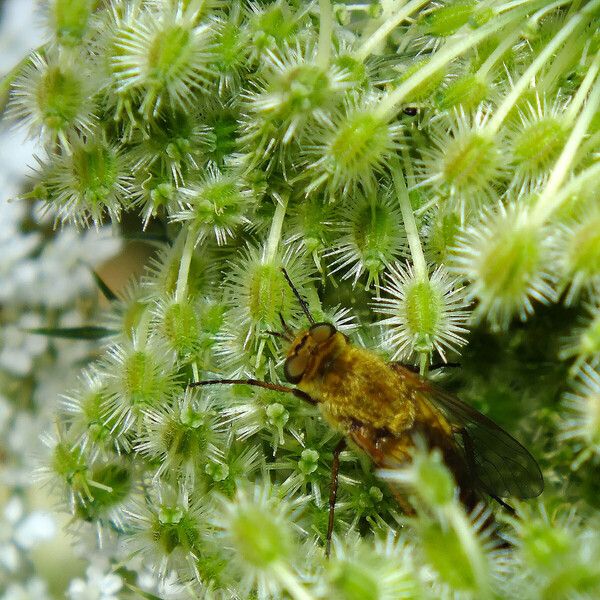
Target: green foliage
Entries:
(262, 135)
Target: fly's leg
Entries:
(335, 469)
(257, 383)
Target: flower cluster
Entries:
(426, 174)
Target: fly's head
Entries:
(311, 349)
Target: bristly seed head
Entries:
(425, 315)
(506, 258)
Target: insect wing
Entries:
(499, 463)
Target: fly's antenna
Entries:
(299, 297)
(286, 327)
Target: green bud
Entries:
(309, 461)
(70, 19)
(448, 19)
(433, 481)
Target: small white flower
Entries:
(21, 531)
(34, 589)
(100, 584)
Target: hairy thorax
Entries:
(354, 385)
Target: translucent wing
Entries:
(498, 463)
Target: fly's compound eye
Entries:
(321, 332)
(294, 368)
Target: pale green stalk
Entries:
(535, 18)
(276, 228)
(291, 583)
(379, 36)
(414, 242)
(440, 59)
(468, 540)
(579, 98)
(184, 265)
(548, 200)
(524, 81)
(325, 30)
(505, 45)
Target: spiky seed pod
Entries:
(583, 343)
(263, 412)
(89, 184)
(184, 435)
(465, 161)
(52, 98)
(440, 231)
(357, 571)
(309, 226)
(126, 311)
(230, 49)
(258, 527)
(113, 485)
(371, 238)
(535, 143)
(562, 550)
(176, 143)
(69, 20)
(577, 252)
(447, 19)
(292, 94)
(351, 150)
(216, 206)
(271, 27)
(465, 93)
(177, 323)
(239, 464)
(68, 467)
(258, 292)
(505, 257)
(425, 315)
(581, 420)
(154, 194)
(169, 531)
(427, 88)
(164, 58)
(85, 415)
(140, 376)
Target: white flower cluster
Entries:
(43, 275)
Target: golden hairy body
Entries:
(352, 385)
(384, 408)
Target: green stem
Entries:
(386, 28)
(579, 98)
(468, 541)
(535, 18)
(410, 225)
(387, 107)
(549, 199)
(590, 174)
(184, 265)
(276, 228)
(291, 583)
(325, 30)
(498, 53)
(510, 6)
(423, 364)
(525, 80)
